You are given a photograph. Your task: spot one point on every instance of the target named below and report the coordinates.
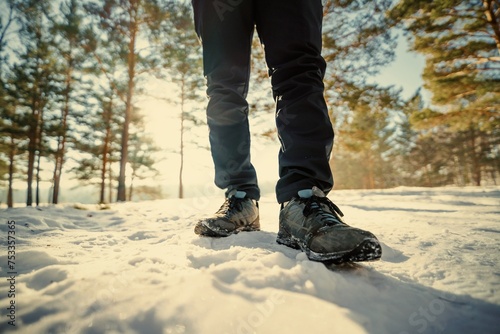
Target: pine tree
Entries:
(12, 141)
(98, 141)
(9, 129)
(357, 43)
(404, 141)
(461, 42)
(364, 140)
(123, 24)
(68, 32)
(183, 63)
(34, 84)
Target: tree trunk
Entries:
(181, 169)
(105, 152)
(475, 156)
(12, 154)
(61, 145)
(131, 189)
(131, 60)
(37, 192)
(34, 134)
(110, 181)
(57, 180)
(31, 165)
(33, 146)
(39, 151)
(103, 174)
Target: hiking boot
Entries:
(312, 223)
(237, 213)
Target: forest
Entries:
(72, 71)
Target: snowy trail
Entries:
(139, 268)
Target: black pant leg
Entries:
(226, 30)
(291, 33)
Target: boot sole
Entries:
(367, 250)
(205, 231)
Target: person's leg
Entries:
(291, 33)
(226, 29)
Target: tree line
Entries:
(384, 140)
(72, 70)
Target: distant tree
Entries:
(405, 140)
(12, 142)
(67, 29)
(33, 84)
(461, 42)
(147, 193)
(99, 145)
(364, 139)
(357, 43)
(183, 63)
(97, 141)
(431, 156)
(109, 124)
(142, 160)
(122, 25)
(10, 130)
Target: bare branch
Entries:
(492, 20)
(10, 19)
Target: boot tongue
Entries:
(308, 193)
(237, 194)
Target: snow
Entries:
(139, 268)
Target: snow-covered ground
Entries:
(139, 268)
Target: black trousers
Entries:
(290, 31)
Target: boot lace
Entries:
(313, 205)
(231, 206)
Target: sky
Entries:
(405, 71)
(163, 125)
